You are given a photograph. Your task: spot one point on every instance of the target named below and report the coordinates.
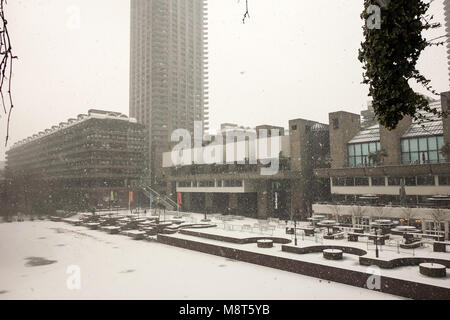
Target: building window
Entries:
(294, 127)
(349, 181)
(425, 181)
(358, 153)
(361, 181)
(232, 183)
(422, 150)
(206, 184)
(184, 184)
(410, 181)
(338, 182)
(378, 181)
(444, 180)
(394, 181)
(335, 123)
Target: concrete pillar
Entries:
(187, 201)
(445, 103)
(390, 141)
(233, 201)
(209, 201)
(343, 127)
(446, 227)
(263, 204)
(423, 226)
(353, 221)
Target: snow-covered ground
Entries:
(117, 267)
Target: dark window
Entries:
(335, 123)
(444, 180)
(425, 181)
(361, 181)
(394, 181)
(378, 181)
(338, 182)
(410, 181)
(294, 127)
(349, 181)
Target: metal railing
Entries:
(150, 192)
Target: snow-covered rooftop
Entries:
(92, 114)
(433, 126)
(370, 134)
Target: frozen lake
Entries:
(35, 257)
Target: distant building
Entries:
(235, 185)
(89, 161)
(2, 170)
(168, 72)
(371, 166)
(368, 117)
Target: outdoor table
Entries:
(111, 229)
(137, 235)
(93, 225)
(308, 231)
(329, 224)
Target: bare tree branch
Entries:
(6, 68)
(247, 13)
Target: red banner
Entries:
(180, 198)
(131, 197)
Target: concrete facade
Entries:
(343, 127)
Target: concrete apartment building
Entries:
(401, 174)
(238, 185)
(168, 72)
(88, 161)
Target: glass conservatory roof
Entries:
(369, 134)
(432, 127)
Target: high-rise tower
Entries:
(168, 73)
(447, 29)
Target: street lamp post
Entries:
(376, 242)
(295, 231)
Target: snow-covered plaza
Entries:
(36, 257)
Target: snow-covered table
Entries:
(111, 229)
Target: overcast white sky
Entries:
(292, 59)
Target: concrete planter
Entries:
(434, 270)
(332, 254)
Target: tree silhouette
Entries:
(6, 68)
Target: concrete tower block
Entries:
(391, 141)
(343, 127)
(445, 102)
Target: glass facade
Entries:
(422, 150)
(358, 153)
